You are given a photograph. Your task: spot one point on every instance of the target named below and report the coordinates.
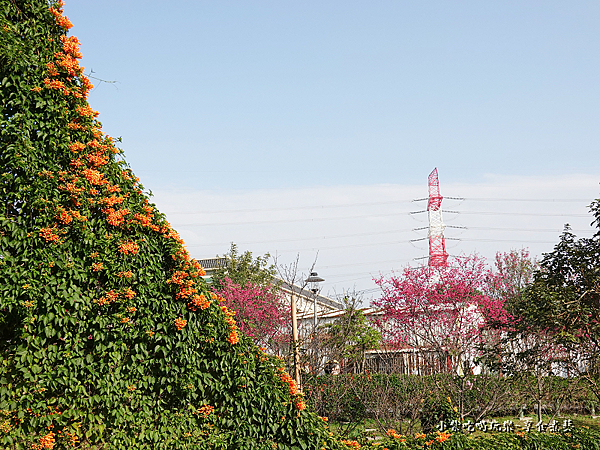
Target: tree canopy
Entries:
(109, 336)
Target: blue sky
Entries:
(267, 105)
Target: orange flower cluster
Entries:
(111, 201)
(300, 405)
(198, 270)
(129, 248)
(392, 433)
(204, 410)
(125, 320)
(55, 84)
(286, 378)
(36, 89)
(112, 188)
(71, 46)
(129, 293)
(67, 216)
(86, 111)
(442, 436)
(63, 216)
(52, 69)
(351, 444)
(69, 63)
(47, 441)
(180, 323)
(97, 159)
(234, 337)
(127, 274)
(96, 267)
(75, 126)
(198, 301)
(94, 177)
(115, 217)
(131, 309)
(172, 234)
(110, 297)
(49, 235)
(76, 146)
(420, 435)
(61, 20)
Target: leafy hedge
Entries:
(409, 402)
(109, 337)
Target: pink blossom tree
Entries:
(260, 310)
(442, 313)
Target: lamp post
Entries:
(313, 282)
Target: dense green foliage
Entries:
(244, 269)
(109, 337)
(349, 336)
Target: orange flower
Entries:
(52, 69)
(63, 216)
(131, 309)
(199, 301)
(96, 267)
(129, 293)
(129, 248)
(61, 20)
(125, 320)
(71, 45)
(47, 441)
(49, 235)
(76, 146)
(127, 274)
(301, 406)
(36, 89)
(180, 323)
(116, 218)
(442, 436)
(420, 435)
(54, 84)
(113, 188)
(112, 200)
(97, 159)
(94, 177)
(86, 111)
(233, 337)
(351, 444)
(393, 434)
(204, 410)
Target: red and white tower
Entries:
(438, 256)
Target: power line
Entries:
(347, 205)
(341, 236)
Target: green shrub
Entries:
(109, 337)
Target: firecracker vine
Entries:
(109, 336)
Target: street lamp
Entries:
(313, 283)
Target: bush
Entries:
(109, 337)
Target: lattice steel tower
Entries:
(438, 256)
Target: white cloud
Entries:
(361, 231)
